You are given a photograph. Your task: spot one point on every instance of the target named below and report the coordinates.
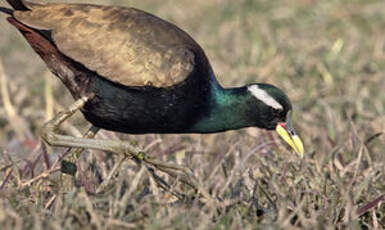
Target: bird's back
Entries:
(124, 45)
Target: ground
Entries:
(328, 56)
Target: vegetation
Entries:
(328, 56)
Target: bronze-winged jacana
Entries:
(133, 72)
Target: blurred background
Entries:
(328, 56)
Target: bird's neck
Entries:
(226, 110)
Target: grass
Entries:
(329, 56)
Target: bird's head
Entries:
(271, 109)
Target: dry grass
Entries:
(329, 56)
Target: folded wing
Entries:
(124, 45)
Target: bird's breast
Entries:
(138, 110)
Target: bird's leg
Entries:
(50, 133)
(69, 167)
(92, 131)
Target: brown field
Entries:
(328, 56)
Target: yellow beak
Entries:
(287, 133)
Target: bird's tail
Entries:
(16, 5)
(6, 10)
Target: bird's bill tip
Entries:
(292, 139)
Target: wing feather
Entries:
(124, 45)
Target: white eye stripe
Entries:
(263, 96)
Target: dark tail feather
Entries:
(6, 10)
(17, 4)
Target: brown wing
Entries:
(125, 45)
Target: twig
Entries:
(48, 95)
(15, 121)
(43, 175)
(50, 201)
(187, 176)
(6, 179)
(107, 180)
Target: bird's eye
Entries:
(279, 114)
(283, 116)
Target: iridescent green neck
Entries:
(226, 111)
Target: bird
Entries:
(145, 74)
